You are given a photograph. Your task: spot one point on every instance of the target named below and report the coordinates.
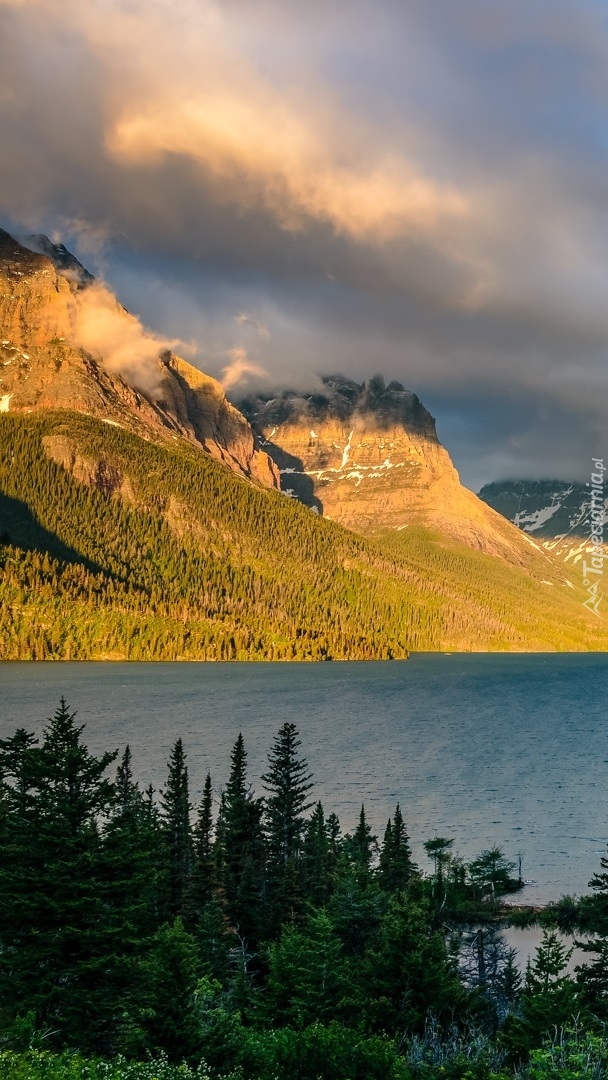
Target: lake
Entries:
(505, 749)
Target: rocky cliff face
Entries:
(41, 366)
(368, 457)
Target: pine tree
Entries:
(172, 970)
(242, 852)
(361, 846)
(408, 972)
(57, 955)
(550, 999)
(133, 853)
(201, 884)
(396, 867)
(308, 976)
(177, 829)
(287, 783)
(316, 859)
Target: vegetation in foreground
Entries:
(163, 554)
(254, 940)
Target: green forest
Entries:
(141, 551)
(248, 937)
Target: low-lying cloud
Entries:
(240, 369)
(117, 339)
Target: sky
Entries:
(417, 188)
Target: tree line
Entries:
(252, 933)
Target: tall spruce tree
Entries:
(57, 954)
(201, 885)
(287, 782)
(316, 859)
(361, 846)
(396, 867)
(241, 856)
(133, 852)
(177, 829)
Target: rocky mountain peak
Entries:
(64, 262)
(43, 366)
(367, 455)
(368, 406)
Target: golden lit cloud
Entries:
(117, 339)
(239, 368)
(261, 151)
(180, 81)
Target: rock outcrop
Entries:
(41, 367)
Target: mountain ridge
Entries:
(42, 366)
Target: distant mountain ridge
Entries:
(547, 509)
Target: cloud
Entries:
(247, 319)
(239, 368)
(117, 339)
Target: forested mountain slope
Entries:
(113, 546)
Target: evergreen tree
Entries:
(550, 999)
(361, 846)
(177, 829)
(307, 978)
(593, 977)
(408, 973)
(316, 871)
(242, 850)
(171, 971)
(396, 867)
(57, 955)
(287, 783)
(133, 854)
(201, 884)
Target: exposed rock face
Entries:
(41, 368)
(368, 457)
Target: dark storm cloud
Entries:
(417, 188)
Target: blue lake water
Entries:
(488, 749)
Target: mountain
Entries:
(41, 366)
(140, 516)
(114, 546)
(62, 259)
(367, 456)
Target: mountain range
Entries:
(143, 515)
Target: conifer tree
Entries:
(172, 970)
(316, 858)
(201, 884)
(550, 999)
(242, 854)
(287, 783)
(133, 853)
(396, 867)
(177, 829)
(57, 954)
(361, 846)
